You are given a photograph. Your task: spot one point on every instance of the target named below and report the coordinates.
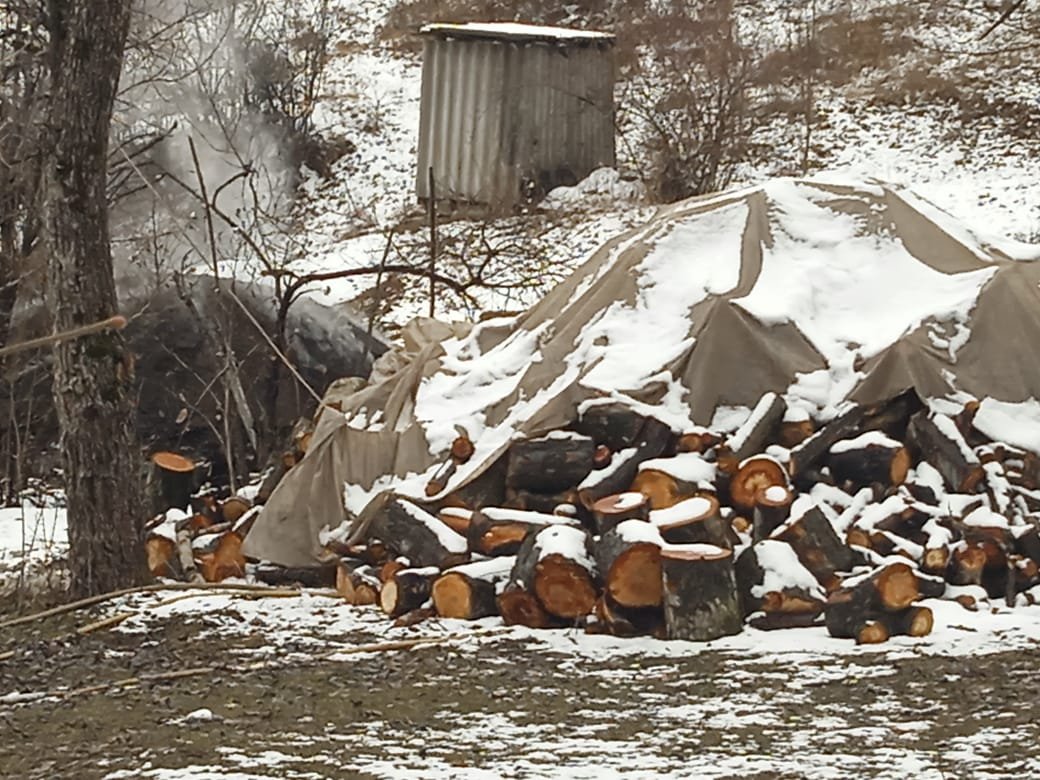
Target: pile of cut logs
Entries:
(623, 526)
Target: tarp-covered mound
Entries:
(823, 292)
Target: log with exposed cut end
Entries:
(601, 456)
(406, 590)
(967, 564)
(163, 556)
(174, 481)
(700, 593)
(891, 588)
(439, 481)
(654, 439)
(753, 475)
(760, 428)
(409, 531)
(772, 508)
(358, 585)
(551, 464)
(770, 578)
(869, 459)
(700, 441)
(872, 632)
(225, 561)
(555, 564)
(456, 518)
(611, 510)
(628, 558)
(520, 607)
(818, 546)
(935, 438)
(497, 531)
(390, 568)
(793, 433)
(469, 592)
(889, 415)
(935, 560)
(694, 521)
(667, 481)
(462, 449)
(912, 621)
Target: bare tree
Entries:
(92, 375)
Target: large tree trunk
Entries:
(92, 375)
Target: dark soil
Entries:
(509, 709)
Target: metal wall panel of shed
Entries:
(460, 129)
(497, 114)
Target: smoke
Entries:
(192, 117)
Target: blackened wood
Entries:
(630, 566)
(949, 454)
(539, 502)
(550, 464)
(818, 547)
(760, 429)
(700, 593)
(868, 465)
(303, 576)
(409, 531)
(408, 589)
(613, 425)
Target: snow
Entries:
(783, 570)
(630, 500)
(566, 541)
(524, 516)
(686, 466)
(514, 30)
(830, 275)
(494, 569)
(684, 510)
(868, 439)
(1017, 424)
(636, 531)
(986, 518)
(449, 540)
(949, 429)
(739, 437)
(777, 493)
(598, 475)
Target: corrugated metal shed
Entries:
(509, 109)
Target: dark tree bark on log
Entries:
(892, 588)
(550, 464)
(612, 425)
(818, 547)
(869, 464)
(409, 531)
(700, 593)
(555, 565)
(654, 439)
(936, 439)
(772, 508)
(611, 510)
(759, 429)
(694, 521)
(93, 376)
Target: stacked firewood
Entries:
(624, 526)
(203, 544)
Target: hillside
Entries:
(903, 92)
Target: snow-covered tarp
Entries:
(822, 291)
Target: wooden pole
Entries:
(431, 209)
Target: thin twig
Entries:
(159, 586)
